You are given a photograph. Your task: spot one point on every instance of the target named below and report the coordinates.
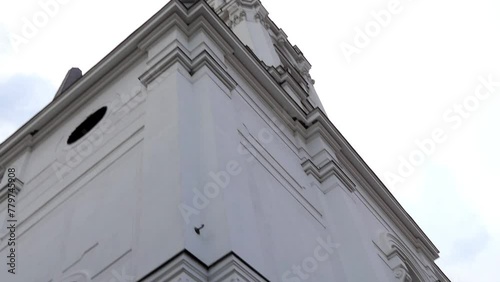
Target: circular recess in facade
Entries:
(87, 125)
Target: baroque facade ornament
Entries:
(401, 273)
(400, 259)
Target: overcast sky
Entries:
(411, 84)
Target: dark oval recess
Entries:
(87, 125)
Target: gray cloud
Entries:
(467, 248)
(456, 229)
(21, 97)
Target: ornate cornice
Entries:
(400, 259)
(372, 184)
(232, 268)
(185, 267)
(203, 59)
(329, 169)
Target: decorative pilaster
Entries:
(320, 158)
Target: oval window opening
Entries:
(87, 125)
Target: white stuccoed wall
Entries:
(126, 203)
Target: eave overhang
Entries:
(379, 191)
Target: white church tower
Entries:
(198, 151)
